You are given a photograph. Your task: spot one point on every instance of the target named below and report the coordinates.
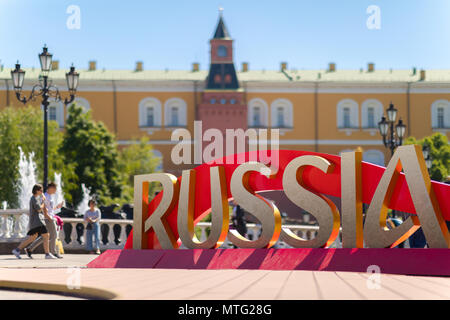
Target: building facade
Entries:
(327, 110)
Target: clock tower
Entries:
(222, 104)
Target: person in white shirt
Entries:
(50, 224)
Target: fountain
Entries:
(58, 197)
(27, 179)
(83, 206)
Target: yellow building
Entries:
(328, 110)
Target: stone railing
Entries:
(253, 230)
(113, 232)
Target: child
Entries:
(92, 217)
(38, 214)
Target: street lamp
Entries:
(427, 156)
(392, 134)
(47, 90)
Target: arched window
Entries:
(83, 102)
(222, 51)
(150, 112)
(227, 78)
(257, 113)
(440, 114)
(347, 114)
(371, 113)
(217, 78)
(56, 112)
(281, 114)
(175, 112)
(374, 156)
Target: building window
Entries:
(223, 101)
(374, 156)
(440, 118)
(233, 101)
(222, 51)
(257, 116)
(55, 112)
(52, 113)
(217, 78)
(282, 114)
(371, 113)
(257, 113)
(227, 78)
(280, 117)
(347, 118)
(347, 114)
(83, 103)
(150, 116)
(212, 101)
(175, 112)
(370, 118)
(150, 112)
(174, 116)
(440, 114)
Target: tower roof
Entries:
(221, 30)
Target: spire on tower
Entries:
(221, 30)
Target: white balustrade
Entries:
(11, 232)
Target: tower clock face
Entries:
(222, 51)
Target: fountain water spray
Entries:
(27, 179)
(58, 197)
(83, 206)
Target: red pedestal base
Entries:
(435, 262)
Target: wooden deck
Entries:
(217, 284)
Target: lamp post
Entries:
(392, 133)
(427, 156)
(47, 90)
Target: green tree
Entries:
(136, 159)
(90, 153)
(440, 153)
(24, 127)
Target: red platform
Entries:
(433, 262)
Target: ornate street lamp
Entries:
(427, 156)
(47, 90)
(392, 134)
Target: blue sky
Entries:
(174, 33)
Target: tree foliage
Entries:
(91, 155)
(137, 159)
(440, 153)
(24, 127)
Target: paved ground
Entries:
(39, 261)
(212, 284)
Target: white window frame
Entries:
(354, 114)
(83, 102)
(286, 105)
(445, 105)
(263, 108)
(377, 113)
(182, 112)
(59, 112)
(144, 104)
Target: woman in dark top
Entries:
(38, 213)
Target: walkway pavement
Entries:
(39, 261)
(212, 284)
